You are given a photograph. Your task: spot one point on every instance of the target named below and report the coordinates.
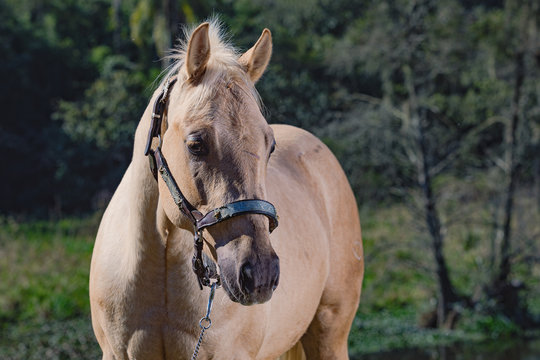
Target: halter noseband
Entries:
(199, 221)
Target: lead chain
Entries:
(205, 321)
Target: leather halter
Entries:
(199, 221)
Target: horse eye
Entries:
(273, 147)
(195, 145)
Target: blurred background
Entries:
(432, 107)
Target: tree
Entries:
(102, 124)
(515, 40)
(41, 55)
(440, 109)
(413, 47)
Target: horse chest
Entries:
(144, 319)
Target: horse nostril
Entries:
(253, 280)
(246, 277)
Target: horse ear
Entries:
(257, 58)
(198, 52)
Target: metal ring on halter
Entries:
(160, 141)
(208, 321)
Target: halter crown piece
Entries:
(158, 164)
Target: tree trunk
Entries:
(447, 293)
(504, 291)
(173, 19)
(511, 157)
(117, 23)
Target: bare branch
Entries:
(380, 102)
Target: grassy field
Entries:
(44, 307)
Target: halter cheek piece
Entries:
(199, 221)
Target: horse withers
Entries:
(291, 293)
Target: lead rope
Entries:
(205, 321)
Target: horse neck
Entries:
(149, 228)
(138, 192)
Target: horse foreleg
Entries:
(101, 338)
(326, 337)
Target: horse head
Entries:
(218, 144)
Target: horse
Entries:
(292, 293)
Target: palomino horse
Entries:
(146, 302)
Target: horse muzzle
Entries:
(252, 281)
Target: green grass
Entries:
(49, 339)
(396, 273)
(44, 305)
(392, 330)
(44, 268)
(398, 329)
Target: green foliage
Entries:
(140, 22)
(496, 326)
(395, 330)
(326, 54)
(41, 56)
(111, 107)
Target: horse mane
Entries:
(222, 67)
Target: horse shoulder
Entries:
(304, 157)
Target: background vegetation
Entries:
(432, 107)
